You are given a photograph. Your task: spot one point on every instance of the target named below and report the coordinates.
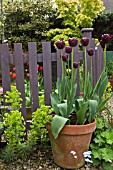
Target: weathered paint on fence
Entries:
(47, 58)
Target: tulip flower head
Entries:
(75, 65)
(90, 51)
(73, 42)
(60, 44)
(68, 49)
(106, 38)
(64, 57)
(85, 41)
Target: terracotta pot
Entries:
(111, 82)
(71, 138)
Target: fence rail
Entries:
(46, 57)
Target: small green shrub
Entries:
(13, 99)
(102, 145)
(39, 120)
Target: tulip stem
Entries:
(105, 57)
(68, 65)
(85, 64)
(91, 68)
(72, 68)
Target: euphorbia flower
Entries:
(68, 49)
(64, 57)
(85, 41)
(60, 44)
(90, 51)
(73, 42)
(75, 64)
(41, 68)
(106, 38)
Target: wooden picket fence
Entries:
(46, 57)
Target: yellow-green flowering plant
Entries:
(68, 108)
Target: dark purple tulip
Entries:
(75, 65)
(102, 44)
(60, 44)
(106, 38)
(85, 41)
(68, 49)
(64, 57)
(90, 51)
(73, 42)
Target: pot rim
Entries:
(75, 129)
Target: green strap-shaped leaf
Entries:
(81, 114)
(63, 109)
(92, 109)
(54, 102)
(103, 86)
(57, 124)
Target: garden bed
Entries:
(41, 158)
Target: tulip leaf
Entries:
(81, 114)
(54, 102)
(63, 109)
(92, 110)
(57, 124)
(103, 86)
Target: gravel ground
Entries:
(40, 159)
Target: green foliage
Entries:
(26, 21)
(74, 15)
(39, 118)
(8, 154)
(14, 128)
(13, 99)
(102, 144)
(103, 25)
(89, 10)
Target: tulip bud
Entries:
(64, 57)
(106, 38)
(60, 44)
(102, 44)
(73, 42)
(85, 41)
(90, 51)
(14, 69)
(75, 65)
(68, 49)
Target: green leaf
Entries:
(107, 166)
(103, 86)
(92, 109)
(54, 102)
(81, 114)
(63, 109)
(57, 124)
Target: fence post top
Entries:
(86, 30)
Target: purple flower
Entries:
(75, 64)
(106, 38)
(73, 42)
(102, 44)
(9, 108)
(90, 51)
(64, 57)
(60, 44)
(68, 49)
(85, 41)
